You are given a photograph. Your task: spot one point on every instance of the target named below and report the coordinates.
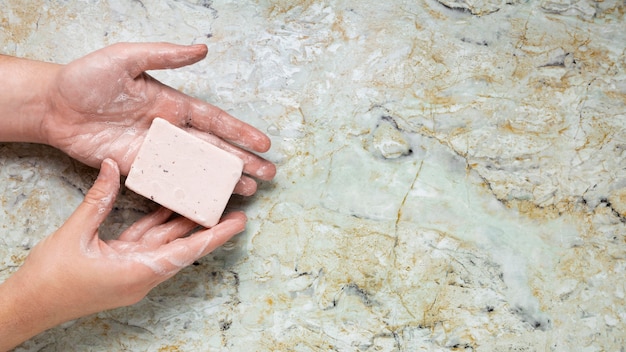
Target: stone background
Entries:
(451, 174)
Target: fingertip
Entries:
(196, 51)
(236, 221)
(264, 144)
(202, 48)
(245, 187)
(109, 164)
(264, 170)
(235, 216)
(269, 172)
(109, 170)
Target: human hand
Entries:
(101, 106)
(73, 273)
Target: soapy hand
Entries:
(73, 273)
(101, 106)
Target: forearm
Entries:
(23, 104)
(22, 315)
(23, 98)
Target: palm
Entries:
(94, 275)
(103, 120)
(102, 105)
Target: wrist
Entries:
(18, 322)
(24, 99)
(26, 309)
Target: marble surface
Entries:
(451, 174)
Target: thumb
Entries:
(99, 199)
(140, 57)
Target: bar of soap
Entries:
(184, 173)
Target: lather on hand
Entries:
(101, 106)
(73, 273)
(98, 109)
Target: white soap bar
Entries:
(184, 173)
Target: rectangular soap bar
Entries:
(184, 173)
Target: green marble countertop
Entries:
(451, 174)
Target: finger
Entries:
(139, 228)
(167, 232)
(254, 165)
(99, 199)
(184, 251)
(208, 118)
(245, 187)
(184, 111)
(139, 57)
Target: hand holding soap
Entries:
(184, 173)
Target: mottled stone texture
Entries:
(451, 174)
